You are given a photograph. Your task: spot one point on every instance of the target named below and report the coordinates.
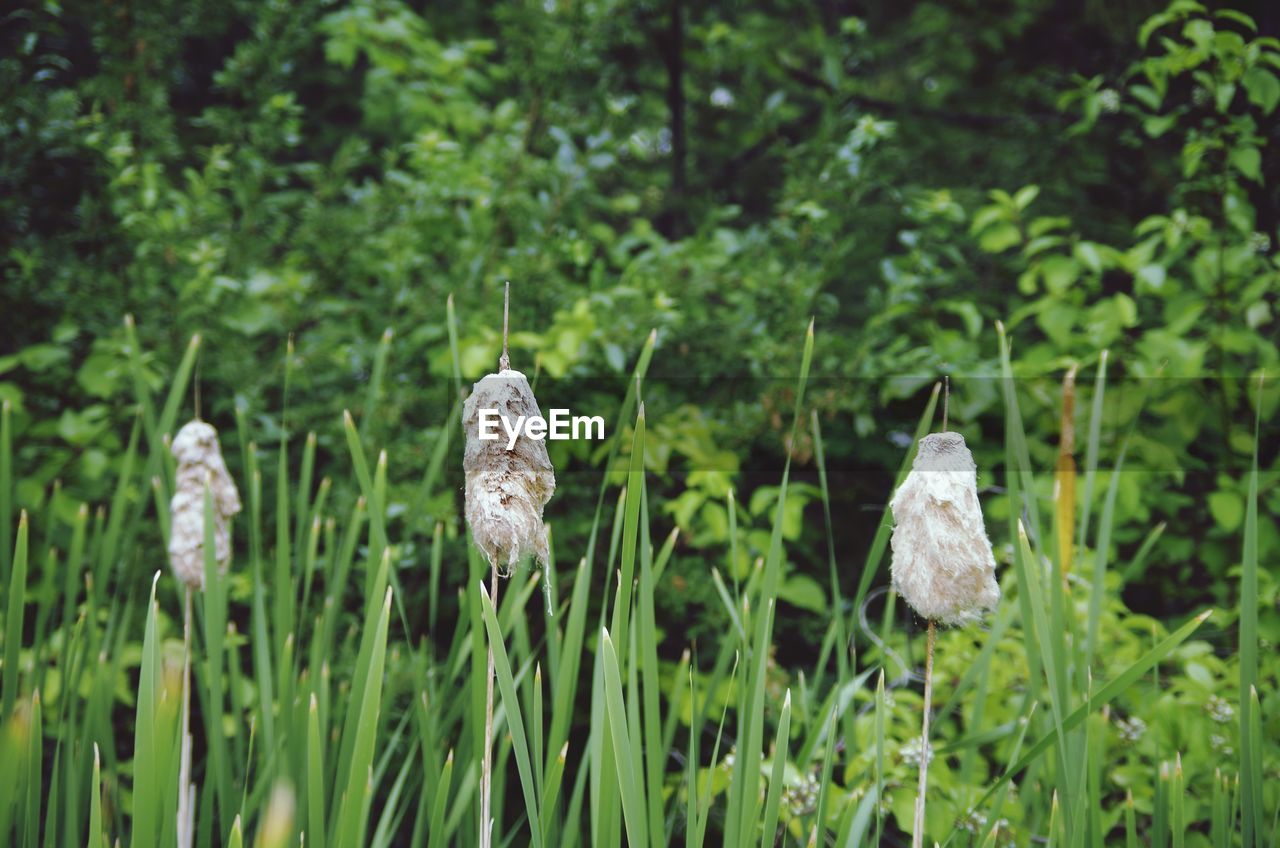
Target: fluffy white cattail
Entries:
(506, 489)
(199, 461)
(942, 561)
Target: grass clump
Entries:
(330, 707)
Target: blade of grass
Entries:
(215, 621)
(777, 774)
(654, 753)
(374, 391)
(315, 778)
(632, 793)
(1091, 449)
(146, 772)
(97, 839)
(6, 490)
(353, 814)
(1102, 554)
(34, 778)
(744, 800)
(13, 619)
(437, 827)
(515, 720)
(1252, 815)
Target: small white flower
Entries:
(803, 799)
(910, 752)
(1131, 729)
(721, 97)
(1109, 100)
(975, 822)
(1219, 709)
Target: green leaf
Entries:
(1151, 276)
(1090, 255)
(1262, 88)
(801, 590)
(42, 357)
(1025, 196)
(999, 238)
(1227, 509)
(1248, 161)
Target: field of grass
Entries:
(326, 711)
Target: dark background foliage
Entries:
(717, 171)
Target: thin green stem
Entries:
(917, 832)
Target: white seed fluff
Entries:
(942, 563)
(199, 460)
(506, 489)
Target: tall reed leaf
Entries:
(1252, 814)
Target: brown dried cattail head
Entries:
(506, 489)
(199, 461)
(942, 563)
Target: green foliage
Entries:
(351, 183)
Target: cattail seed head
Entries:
(506, 489)
(199, 462)
(942, 562)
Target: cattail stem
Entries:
(946, 400)
(504, 361)
(486, 764)
(917, 833)
(186, 793)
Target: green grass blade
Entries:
(1130, 822)
(13, 619)
(1177, 813)
(551, 790)
(215, 622)
(451, 322)
(35, 772)
(315, 778)
(6, 490)
(303, 515)
(1102, 553)
(146, 769)
(1252, 814)
(436, 829)
(777, 774)
(1091, 449)
(632, 793)
(744, 800)
(374, 392)
(881, 710)
(353, 817)
(97, 839)
(630, 533)
(515, 720)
